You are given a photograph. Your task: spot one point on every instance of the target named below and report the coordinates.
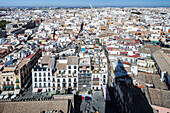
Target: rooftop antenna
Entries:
(91, 10)
(91, 6)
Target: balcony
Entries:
(8, 88)
(70, 75)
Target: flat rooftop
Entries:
(34, 106)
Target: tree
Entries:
(3, 23)
(66, 91)
(57, 92)
(89, 92)
(77, 92)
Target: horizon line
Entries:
(86, 6)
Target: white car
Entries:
(13, 96)
(1, 96)
(6, 97)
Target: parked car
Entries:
(88, 98)
(6, 96)
(13, 96)
(1, 96)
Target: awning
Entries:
(4, 87)
(17, 91)
(11, 87)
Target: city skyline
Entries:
(79, 3)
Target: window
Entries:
(17, 87)
(48, 84)
(69, 72)
(17, 80)
(35, 79)
(64, 85)
(75, 71)
(53, 79)
(44, 79)
(53, 85)
(69, 80)
(64, 80)
(69, 67)
(48, 74)
(59, 72)
(58, 85)
(104, 76)
(39, 84)
(75, 84)
(39, 74)
(48, 78)
(53, 88)
(75, 80)
(7, 79)
(75, 67)
(44, 74)
(35, 84)
(40, 79)
(58, 80)
(69, 84)
(44, 84)
(35, 74)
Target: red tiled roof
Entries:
(30, 56)
(126, 63)
(136, 55)
(124, 52)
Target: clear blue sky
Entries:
(84, 2)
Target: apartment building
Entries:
(67, 74)
(8, 79)
(84, 75)
(99, 72)
(42, 80)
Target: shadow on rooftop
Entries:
(127, 97)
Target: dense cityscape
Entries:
(85, 60)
